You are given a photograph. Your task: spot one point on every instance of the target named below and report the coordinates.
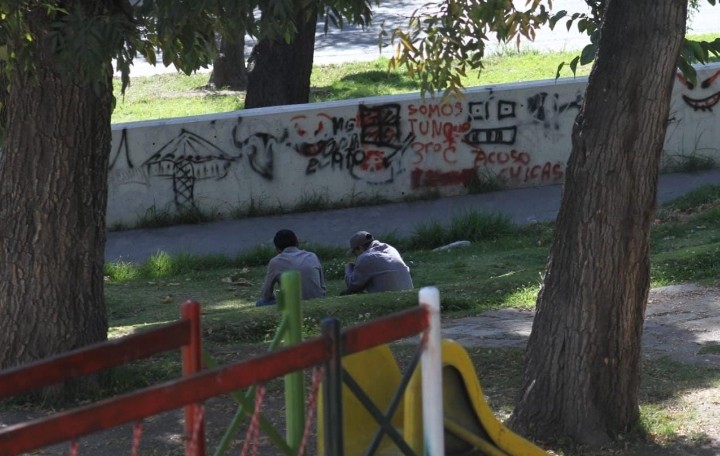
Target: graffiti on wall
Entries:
(369, 146)
(491, 129)
(703, 97)
(436, 128)
(449, 144)
(260, 149)
(501, 113)
(519, 136)
(187, 159)
(547, 111)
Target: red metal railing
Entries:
(191, 390)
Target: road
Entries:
(354, 44)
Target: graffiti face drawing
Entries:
(706, 103)
(481, 112)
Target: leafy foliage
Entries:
(86, 35)
(443, 40)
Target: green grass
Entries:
(502, 267)
(178, 95)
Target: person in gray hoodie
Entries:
(290, 257)
(378, 267)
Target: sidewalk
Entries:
(334, 227)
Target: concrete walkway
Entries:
(681, 322)
(230, 237)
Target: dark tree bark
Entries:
(582, 369)
(53, 193)
(279, 72)
(229, 69)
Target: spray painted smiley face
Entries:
(701, 104)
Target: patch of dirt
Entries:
(682, 322)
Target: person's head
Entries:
(284, 239)
(360, 241)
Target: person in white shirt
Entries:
(290, 257)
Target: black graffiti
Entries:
(506, 109)
(478, 136)
(186, 159)
(122, 149)
(479, 110)
(343, 153)
(368, 153)
(701, 104)
(549, 116)
(380, 125)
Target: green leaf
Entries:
(553, 20)
(573, 65)
(588, 54)
(688, 71)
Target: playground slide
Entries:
(470, 425)
(376, 371)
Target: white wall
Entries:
(389, 147)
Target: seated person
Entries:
(378, 267)
(290, 257)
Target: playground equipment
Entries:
(470, 425)
(62, 426)
(469, 421)
(410, 420)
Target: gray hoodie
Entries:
(379, 268)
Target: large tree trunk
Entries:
(53, 193)
(279, 72)
(583, 360)
(229, 68)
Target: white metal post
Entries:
(432, 392)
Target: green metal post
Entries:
(290, 294)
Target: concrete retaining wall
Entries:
(386, 147)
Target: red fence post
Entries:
(192, 364)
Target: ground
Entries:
(682, 323)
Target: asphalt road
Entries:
(353, 44)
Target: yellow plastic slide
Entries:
(470, 425)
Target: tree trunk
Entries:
(53, 194)
(279, 72)
(582, 369)
(229, 69)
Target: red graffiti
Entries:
(429, 178)
(435, 128)
(373, 161)
(436, 110)
(549, 172)
(424, 149)
(483, 158)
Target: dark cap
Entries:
(360, 239)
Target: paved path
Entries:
(682, 322)
(335, 227)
